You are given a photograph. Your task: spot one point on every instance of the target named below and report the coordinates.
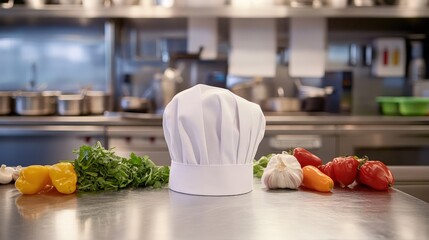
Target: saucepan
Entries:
(313, 98)
(255, 90)
(36, 103)
(281, 103)
(71, 105)
(6, 103)
(97, 102)
(136, 104)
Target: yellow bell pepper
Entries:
(63, 177)
(33, 179)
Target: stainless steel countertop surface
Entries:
(260, 214)
(139, 119)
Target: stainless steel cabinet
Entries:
(404, 148)
(142, 140)
(319, 139)
(27, 145)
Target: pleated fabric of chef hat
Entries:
(212, 136)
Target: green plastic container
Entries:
(389, 105)
(413, 106)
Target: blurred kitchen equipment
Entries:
(203, 32)
(166, 3)
(250, 37)
(123, 2)
(281, 103)
(69, 2)
(313, 104)
(354, 54)
(367, 52)
(248, 3)
(363, 3)
(6, 103)
(255, 90)
(390, 57)
(36, 103)
(388, 106)
(302, 3)
(147, 3)
(97, 102)
(205, 3)
(340, 100)
(136, 104)
(311, 91)
(131, 103)
(404, 106)
(70, 104)
(313, 98)
(307, 47)
(338, 3)
(165, 87)
(7, 4)
(417, 66)
(421, 88)
(413, 106)
(35, 3)
(216, 79)
(93, 3)
(387, 2)
(414, 3)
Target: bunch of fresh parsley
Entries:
(98, 169)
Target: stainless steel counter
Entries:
(136, 119)
(70, 11)
(261, 214)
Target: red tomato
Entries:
(306, 158)
(345, 169)
(328, 169)
(376, 175)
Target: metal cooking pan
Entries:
(97, 102)
(281, 104)
(70, 105)
(36, 103)
(136, 104)
(6, 103)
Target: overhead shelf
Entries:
(77, 11)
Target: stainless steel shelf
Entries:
(221, 12)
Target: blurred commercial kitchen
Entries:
(324, 72)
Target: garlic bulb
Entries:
(16, 171)
(5, 174)
(283, 171)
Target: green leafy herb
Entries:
(100, 169)
(260, 165)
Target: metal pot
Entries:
(313, 98)
(6, 103)
(96, 102)
(70, 105)
(281, 104)
(313, 104)
(36, 103)
(136, 104)
(256, 90)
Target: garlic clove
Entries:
(16, 172)
(5, 174)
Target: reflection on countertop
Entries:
(163, 214)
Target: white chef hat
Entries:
(212, 135)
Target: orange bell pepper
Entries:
(316, 179)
